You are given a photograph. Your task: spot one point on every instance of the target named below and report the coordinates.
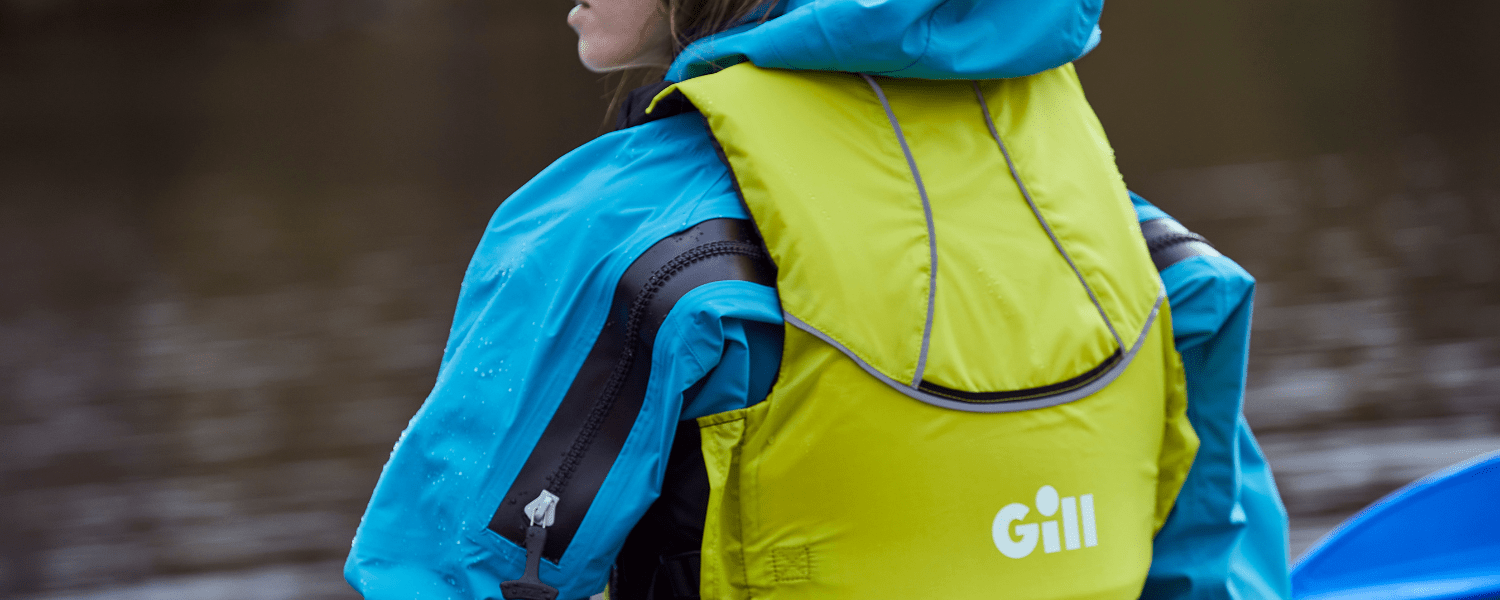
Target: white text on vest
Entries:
(1024, 541)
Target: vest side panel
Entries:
(1179, 439)
(722, 573)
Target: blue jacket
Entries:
(538, 292)
(1227, 535)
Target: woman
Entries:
(566, 399)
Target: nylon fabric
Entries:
(904, 533)
(921, 39)
(1004, 290)
(889, 237)
(539, 284)
(534, 299)
(398, 557)
(932, 270)
(839, 485)
(580, 445)
(1228, 537)
(408, 545)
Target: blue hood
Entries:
(921, 39)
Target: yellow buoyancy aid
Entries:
(978, 396)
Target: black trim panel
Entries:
(1170, 243)
(1046, 390)
(632, 110)
(579, 446)
(671, 527)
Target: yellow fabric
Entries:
(887, 497)
(999, 278)
(840, 486)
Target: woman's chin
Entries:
(609, 64)
(596, 63)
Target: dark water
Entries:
(231, 235)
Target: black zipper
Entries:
(560, 478)
(590, 426)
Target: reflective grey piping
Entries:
(916, 379)
(994, 407)
(985, 108)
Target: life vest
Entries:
(979, 395)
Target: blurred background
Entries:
(232, 234)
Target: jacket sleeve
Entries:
(1227, 535)
(413, 543)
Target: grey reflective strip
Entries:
(985, 108)
(916, 379)
(1074, 394)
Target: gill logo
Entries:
(1047, 503)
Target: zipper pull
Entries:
(542, 512)
(543, 509)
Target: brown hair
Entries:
(689, 21)
(693, 19)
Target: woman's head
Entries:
(623, 34)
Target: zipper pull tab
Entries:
(530, 586)
(542, 512)
(543, 509)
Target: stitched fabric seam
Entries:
(990, 407)
(1035, 210)
(911, 162)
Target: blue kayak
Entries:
(1435, 539)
